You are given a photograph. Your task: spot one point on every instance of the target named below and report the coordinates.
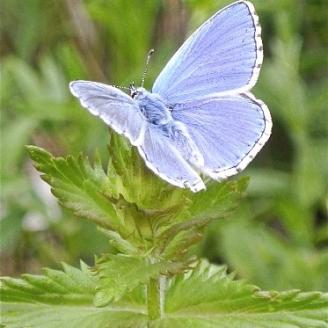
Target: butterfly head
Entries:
(136, 92)
(133, 90)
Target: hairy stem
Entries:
(154, 299)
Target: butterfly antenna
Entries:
(150, 52)
(120, 87)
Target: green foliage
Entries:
(119, 274)
(162, 220)
(70, 287)
(61, 299)
(153, 239)
(305, 266)
(278, 237)
(77, 185)
(206, 297)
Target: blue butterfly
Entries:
(200, 116)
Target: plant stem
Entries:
(154, 299)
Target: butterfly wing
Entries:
(223, 54)
(162, 157)
(228, 131)
(226, 126)
(113, 106)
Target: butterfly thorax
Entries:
(152, 107)
(158, 113)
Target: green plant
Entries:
(276, 239)
(151, 279)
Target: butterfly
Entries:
(200, 117)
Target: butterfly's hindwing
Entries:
(164, 159)
(228, 131)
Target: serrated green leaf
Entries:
(42, 316)
(71, 286)
(176, 239)
(114, 200)
(216, 202)
(119, 273)
(159, 218)
(120, 244)
(204, 297)
(79, 187)
(219, 198)
(209, 297)
(62, 299)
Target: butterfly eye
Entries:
(133, 90)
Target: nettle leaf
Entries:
(63, 299)
(119, 274)
(209, 297)
(204, 297)
(71, 286)
(122, 199)
(216, 202)
(219, 199)
(77, 186)
(137, 211)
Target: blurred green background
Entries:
(277, 239)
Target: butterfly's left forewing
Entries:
(113, 106)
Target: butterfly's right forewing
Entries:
(223, 55)
(113, 106)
